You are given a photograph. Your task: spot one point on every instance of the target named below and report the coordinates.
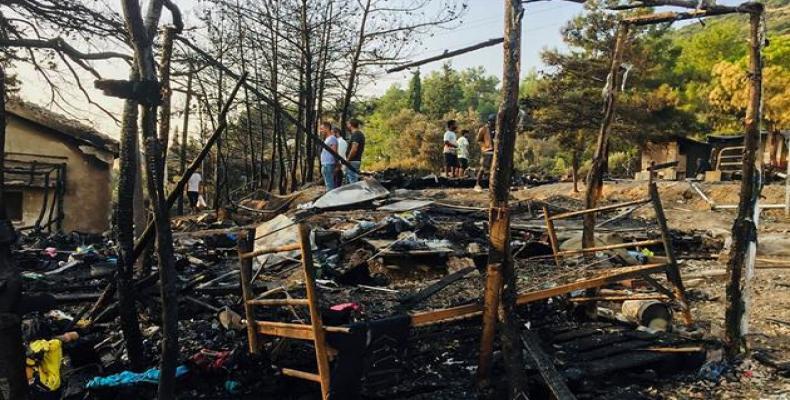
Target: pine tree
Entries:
(415, 91)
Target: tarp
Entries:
(351, 194)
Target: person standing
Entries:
(356, 150)
(463, 153)
(328, 162)
(342, 149)
(193, 190)
(450, 149)
(485, 138)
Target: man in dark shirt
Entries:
(356, 148)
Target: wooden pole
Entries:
(672, 271)
(447, 54)
(552, 235)
(787, 177)
(246, 244)
(499, 255)
(490, 311)
(595, 177)
(321, 356)
(744, 230)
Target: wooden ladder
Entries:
(315, 331)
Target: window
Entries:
(13, 205)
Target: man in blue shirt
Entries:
(328, 159)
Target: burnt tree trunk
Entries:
(124, 231)
(141, 36)
(12, 352)
(182, 162)
(500, 259)
(600, 159)
(744, 230)
(352, 73)
(164, 108)
(575, 170)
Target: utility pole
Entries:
(501, 290)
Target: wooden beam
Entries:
(447, 54)
(611, 247)
(599, 209)
(553, 379)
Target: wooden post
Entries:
(322, 359)
(490, 311)
(595, 177)
(499, 216)
(245, 246)
(787, 177)
(672, 270)
(744, 230)
(552, 235)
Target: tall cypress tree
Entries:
(415, 91)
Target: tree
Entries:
(479, 91)
(442, 92)
(415, 92)
(729, 84)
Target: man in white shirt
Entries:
(342, 149)
(463, 153)
(193, 190)
(450, 149)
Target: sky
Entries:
(483, 20)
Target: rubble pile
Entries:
(379, 256)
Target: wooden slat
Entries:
(290, 331)
(270, 250)
(295, 373)
(265, 327)
(599, 209)
(322, 358)
(245, 244)
(612, 247)
(472, 310)
(612, 276)
(446, 314)
(278, 302)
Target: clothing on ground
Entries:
(326, 156)
(359, 138)
(128, 378)
(449, 137)
(463, 147)
(193, 185)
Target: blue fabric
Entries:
(352, 176)
(327, 157)
(328, 171)
(128, 378)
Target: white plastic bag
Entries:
(201, 203)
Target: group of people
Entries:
(351, 150)
(456, 149)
